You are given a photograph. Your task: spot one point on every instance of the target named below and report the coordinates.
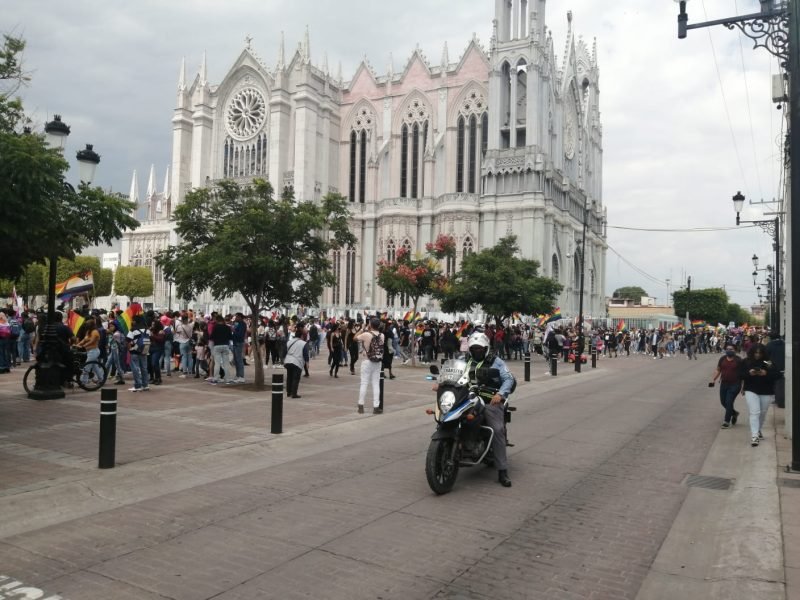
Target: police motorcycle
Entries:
(462, 438)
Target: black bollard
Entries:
(554, 365)
(594, 358)
(383, 378)
(108, 428)
(527, 366)
(277, 403)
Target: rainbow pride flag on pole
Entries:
(74, 321)
(621, 326)
(125, 320)
(461, 329)
(677, 327)
(75, 285)
(698, 323)
(555, 316)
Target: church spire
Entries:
(339, 77)
(151, 184)
(325, 65)
(281, 54)
(182, 76)
(134, 195)
(445, 58)
(203, 71)
(307, 47)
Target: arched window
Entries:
(412, 151)
(337, 275)
(460, 156)
(467, 248)
(245, 159)
(362, 166)
(353, 139)
(407, 246)
(403, 161)
(350, 276)
(505, 106)
(391, 252)
(521, 100)
(450, 266)
(362, 123)
(554, 274)
(577, 269)
(471, 141)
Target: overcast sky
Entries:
(679, 136)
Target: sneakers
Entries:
(754, 441)
(146, 389)
(212, 381)
(134, 389)
(361, 409)
(377, 410)
(726, 425)
(182, 376)
(760, 435)
(239, 380)
(735, 417)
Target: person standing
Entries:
(777, 352)
(353, 330)
(758, 387)
(139, 350)
(239, 335)
(220, 337)
(371, 343)
(296, 357)
(113, 363)
(91, 343)
(183, 337)
(730, 384)
(335, 345)
(157, 341)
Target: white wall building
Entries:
(504, 140)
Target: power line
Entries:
(725, 103)
(749, 112)
(637, 269)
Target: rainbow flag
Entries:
(408, 315)
(125, 319)
(516, 316)
(555, 316)
(621, 326)
(77, 284)
(420, 328)
(541, 320)
(74, 321)
(698, 323)
(677, 327)
(461, 329)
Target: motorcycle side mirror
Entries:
(434, 370)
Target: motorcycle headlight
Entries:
(446, 401)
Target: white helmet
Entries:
(478, 346)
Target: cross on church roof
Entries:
(247, 40)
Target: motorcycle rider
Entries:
(480, 356)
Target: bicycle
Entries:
(79, 364)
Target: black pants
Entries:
(333, 360)
(353, 357)
(293, 373)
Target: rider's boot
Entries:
(502, 477)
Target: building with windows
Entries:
(504, 140)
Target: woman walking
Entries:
(352, 344)
(758, 387)
(335, 348)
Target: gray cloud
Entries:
(110, 68)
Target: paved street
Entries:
(205, 503)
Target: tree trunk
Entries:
(258, 361)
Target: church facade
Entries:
(504, 140)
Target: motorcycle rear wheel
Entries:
(441, 475)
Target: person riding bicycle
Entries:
(480, 356)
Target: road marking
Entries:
(12, 588)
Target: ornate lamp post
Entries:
(581, 340)
(48, 376)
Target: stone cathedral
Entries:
(500, 141)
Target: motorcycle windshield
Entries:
(453, 371)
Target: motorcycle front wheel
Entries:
(439, 469)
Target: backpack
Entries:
(169, 334)
(141, 344)
(15, 328)
(375, 349)
(28, 326)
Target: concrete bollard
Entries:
(527, 366)
(554, 365)
(277, 403)
(594, 358)
(108, 428)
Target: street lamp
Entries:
(48, 376)
(579, 353)
(772, 227)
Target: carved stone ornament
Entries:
(245, 114)
(473, 104)
(364, 119)
(416, 111)
(570, 132)
(508, 162)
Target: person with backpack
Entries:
(25, 337)
(294, 360)
(139, 350)
(371, 342)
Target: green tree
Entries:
(500, 282)
(710, 305)
(133, 282)
(42, 215)
(271, 251)
(31, 282)
(416, 276)
(631, 292)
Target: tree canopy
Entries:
(501, 283)
(710, 305)
(133, 282)
(42, 215)
(631, 292)
(239, 239)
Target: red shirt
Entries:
(729, 370)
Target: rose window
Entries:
(246, 114)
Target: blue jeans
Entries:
(156, 354)
(186, 357)
(114, 361)
(91, 355)
(168, 356)
(727, 396)
(24, 346)
(139, 369)
(238, 358)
